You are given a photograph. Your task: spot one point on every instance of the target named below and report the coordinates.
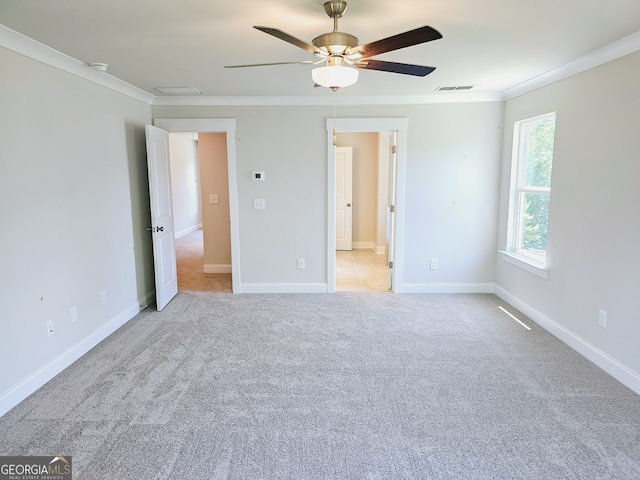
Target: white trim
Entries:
(28, 47)
(284, 288)
(187, 231)
(525, 264)
(448, 287)
(380, 249)
(213, 268)
(328, 100)
(16, 394)
(398, 124)
(613, 367)
(608, 53)
(228, 126)
(147, 300)
(363, 246)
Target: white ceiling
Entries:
(491, 44)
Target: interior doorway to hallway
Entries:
(227, 128)
(200, 199)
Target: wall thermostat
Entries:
(257, 176)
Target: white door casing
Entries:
(164, 251)
(391, 215)
(344, 198)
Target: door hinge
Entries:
(392, 208)
(390, 264)
(394, 149)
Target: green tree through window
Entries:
(533, 157)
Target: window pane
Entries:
(539, 154)
(533, 230)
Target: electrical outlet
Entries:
(434, 264)
(213, 198)
(74, 314)
(301, 264)
(259, 204)
(103, 296)
(602, 319)
(50, 327)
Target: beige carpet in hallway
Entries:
(190, 261)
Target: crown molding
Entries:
(19, 43)
(613, 51)
(327, 100)
(28, 47)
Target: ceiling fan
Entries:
(340, 51)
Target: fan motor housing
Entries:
(328, 41)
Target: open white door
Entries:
(164, 250)
(391, 209)
(344, 200)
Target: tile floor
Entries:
(361, 270)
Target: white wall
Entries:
(185, 183)
(453, 171)
(594, 225)
(74, 211)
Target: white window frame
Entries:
(512, 254)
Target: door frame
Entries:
(366, 125)
(213, 125)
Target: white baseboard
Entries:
(147, 300)
(283, 288)
(613, 367)
(211, 268)
(33, 382)
(187, 231)
(380, 250)
(446, 288)
(363, 245)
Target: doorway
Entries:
(200, 198)
(226, 190)
(398, 127)
(362, 197)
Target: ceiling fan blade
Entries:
(292, 40)
(305, 62)
(403, 68)
(402, 40)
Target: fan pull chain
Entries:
(335, 137)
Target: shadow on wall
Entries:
(140, 210)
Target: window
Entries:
(531, 188)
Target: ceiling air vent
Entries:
(179, 90)
(454, 88)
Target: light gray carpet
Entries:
(346, 386)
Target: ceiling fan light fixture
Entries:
(335, 76)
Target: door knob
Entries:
(160, 229)
(348, 204)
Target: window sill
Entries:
(525, 263)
